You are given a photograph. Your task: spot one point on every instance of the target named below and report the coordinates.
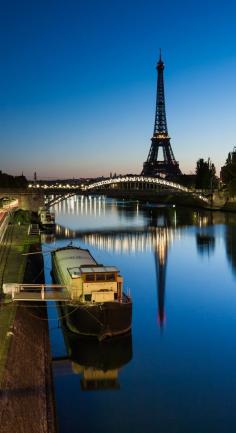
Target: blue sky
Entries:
(78, 83)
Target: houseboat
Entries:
(46, 218)
(98, 305)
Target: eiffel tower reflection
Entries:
(160, 253)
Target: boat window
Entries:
(100, 277)
(87, 297)
(90, 277)
(110, 277)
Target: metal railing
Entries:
(37, 292)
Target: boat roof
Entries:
(74, 257)
(97, 269)
(79, 261)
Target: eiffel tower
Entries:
(154, 166)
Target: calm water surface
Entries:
(177, 372)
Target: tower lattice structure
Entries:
(160, 141)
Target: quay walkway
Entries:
(15, 243)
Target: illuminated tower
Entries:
(160, 142)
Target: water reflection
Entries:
(83, 205)
(161, 263)
(185, 377)
(141, 235)
(230, 243)
(97, 362)
(99, 206)
(205, 243)
(162, 227)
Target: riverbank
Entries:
(26, 381)
(162, 197)
(220, 201)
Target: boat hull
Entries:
(99, 320)
(108, 354)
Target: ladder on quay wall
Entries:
(37, 292)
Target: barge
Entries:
(46, 218)
(98, 306)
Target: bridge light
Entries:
(30, 186)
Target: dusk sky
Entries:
(78, 83)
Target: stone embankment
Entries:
(26, 397)
(218, 201)
(222, 201)
(162, 197)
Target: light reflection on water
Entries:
(177, 373)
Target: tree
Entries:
(205, 174)
(228, 173)
(8, 181)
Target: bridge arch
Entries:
(145, 180)
(136, 179)
(121, 180)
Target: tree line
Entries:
(9, 181)
(205, 174)
(228, 173)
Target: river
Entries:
(176, 373)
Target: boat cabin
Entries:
(87, 280)
(98, 283)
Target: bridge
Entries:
(154, 187)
